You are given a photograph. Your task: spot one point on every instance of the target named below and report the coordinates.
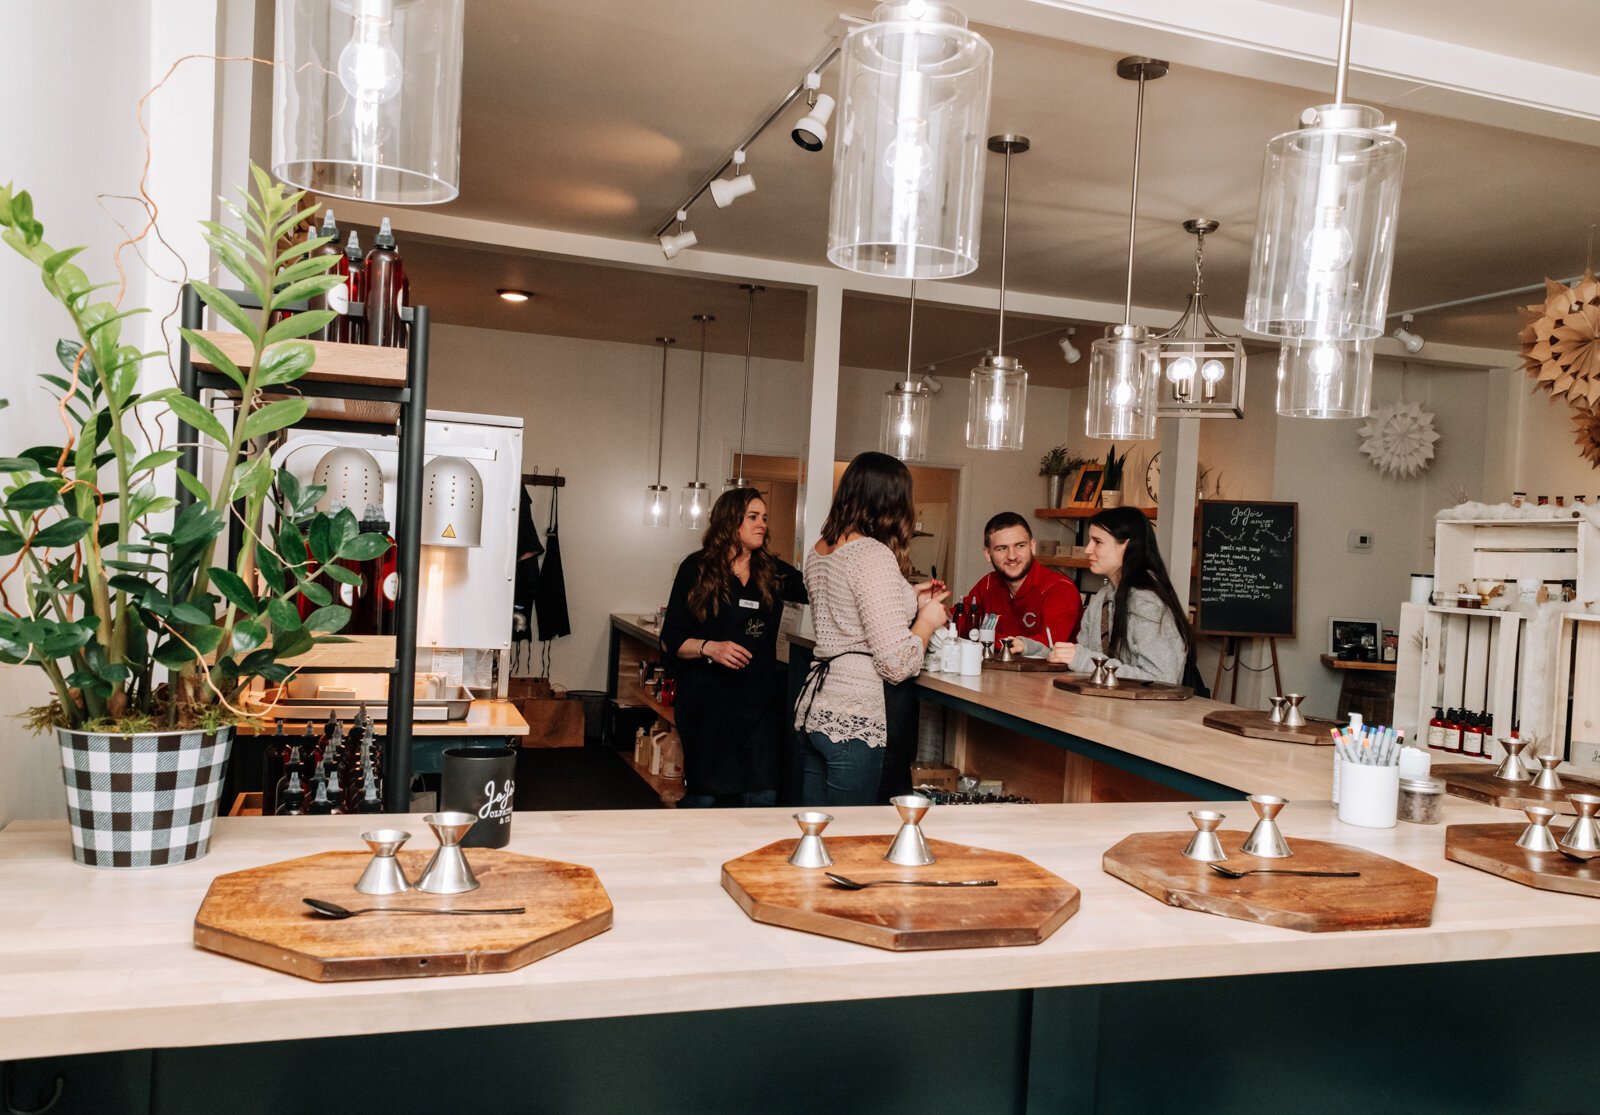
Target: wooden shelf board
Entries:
(373, 365)
(362, 652)
(1080, 512)
(1333, 663)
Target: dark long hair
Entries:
(874, 499)
(1142, 567)
(719, 546)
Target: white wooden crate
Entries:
(1457, 658)
(1575, 714)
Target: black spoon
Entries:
(852, 884)
(334, 910)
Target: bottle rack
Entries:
(352, 387)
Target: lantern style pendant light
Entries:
(1202, 367)
(1124, 370)
(694, 501)
(1324, 379)
(1324, 248)
(905, 406)
(367, 99)
(908, 162)
(997, 392)
(657, 496)
(737, 480)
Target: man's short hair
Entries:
(1004, 521)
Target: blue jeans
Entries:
(748, 798)
(840, 772)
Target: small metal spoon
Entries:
(334, 910)
(852, 884)
(1234, 873)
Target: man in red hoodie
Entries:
(1034, 603)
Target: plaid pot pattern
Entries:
(142, 800)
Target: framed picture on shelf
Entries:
(1086, 486)
(1355, 640)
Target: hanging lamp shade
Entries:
(1202, 368)
(904, 429)
(657, 496)
(1124, 365)
(452, 503)
(1325, 379)
(367, 99)
(908, 158)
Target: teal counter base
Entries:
(1442, 1038)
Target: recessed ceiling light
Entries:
(511, 295)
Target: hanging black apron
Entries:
(550, 599)
(526, 586)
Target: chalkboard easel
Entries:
(1247, 576)
(1230, 643)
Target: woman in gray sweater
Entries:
(1134, 617)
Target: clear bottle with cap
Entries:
(385, 278)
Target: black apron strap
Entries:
(816, 674)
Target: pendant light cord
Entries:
(700, 417)
(911, 330)
(1005, 223)
(744, 405)
(1342, 74)
(661, 427)
(1133, 204)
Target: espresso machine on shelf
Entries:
(472, 468)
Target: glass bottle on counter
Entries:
(335, 792)
(291, 796)
(1436, 729)
(355, 266)
(273, 760)
(385, 276)
(320, 805)
(1472, 735)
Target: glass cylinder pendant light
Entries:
(367, 99)
(1202, 368)
(1330, 198)
(694, 501)
(1124, 368)
(997, 391)
(737, 480)
(908, 158)
(905, 407)
(1324, 379)
(657, 496)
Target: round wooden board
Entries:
(1493, 848)
(1388, 895)
(1126, 690)
(258, 915)
(1476, 782)
(1248, 722)
(1029, 904)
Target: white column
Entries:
(824, 312)
(1180, 470)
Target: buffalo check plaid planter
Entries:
(143, 800)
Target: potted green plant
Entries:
(117, 579)
(1111, 482)
(1056, 466)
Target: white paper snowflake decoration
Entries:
(1399, 439)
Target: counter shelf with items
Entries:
(636, 677)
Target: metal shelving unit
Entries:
(409, 403)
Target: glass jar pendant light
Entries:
(997, 392)
(737, 480)
(1324, 248)
(1324, 379)
(1124, 369)
(694, 501)
(1201, 366)
(657, 496)
(907, 194)
(367, 99)
(905, 406)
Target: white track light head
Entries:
(725, 191)
(811, 132)
(1069, 351)
(674, 242)
(1410, 341)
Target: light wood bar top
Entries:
(103, 960)
(484, 718)
(1166, 732)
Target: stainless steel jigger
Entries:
(448, 872)
(384, 874)
(1276, 715)
(811, 851)
(1536, 837)
(1583, 835)
(1547, 779)
(1112, 667)
(1292, 716)
(1266, 840)
(1204, 845)
(909, 848)
(1512, 769)
(1099, 675)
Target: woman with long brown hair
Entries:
(722, 630)
(872, 629)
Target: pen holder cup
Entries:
(1369, 796)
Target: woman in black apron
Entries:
(721, 631)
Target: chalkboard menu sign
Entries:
(1247, 568)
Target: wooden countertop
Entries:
(628, 623)
(490, 717)
(103, 960)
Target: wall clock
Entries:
(1152, 477)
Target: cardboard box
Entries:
(552, 722)
(938, 776)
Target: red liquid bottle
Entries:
(355, 327)
(1436, 729)
(385, 276)
(367, 612)
(1452, 730)
(1472, 734)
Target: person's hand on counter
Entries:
(1063, 653)
(729, 654)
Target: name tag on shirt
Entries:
(753, 605)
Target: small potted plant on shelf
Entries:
(1111, 483)
(110, 580)
(1056, 467)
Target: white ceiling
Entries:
(598, 117)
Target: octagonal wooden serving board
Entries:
(258, 915)
(1387, 895)
(1127, 689)
(1476, 782)
(1027, 906)
(1258, 725)
(1493, 848)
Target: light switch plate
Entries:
(1359, 541)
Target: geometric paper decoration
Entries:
(1588, 429)
(1561, 340)
(1399, 439)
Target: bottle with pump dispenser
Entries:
(385, 278)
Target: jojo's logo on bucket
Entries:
(497, 804)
